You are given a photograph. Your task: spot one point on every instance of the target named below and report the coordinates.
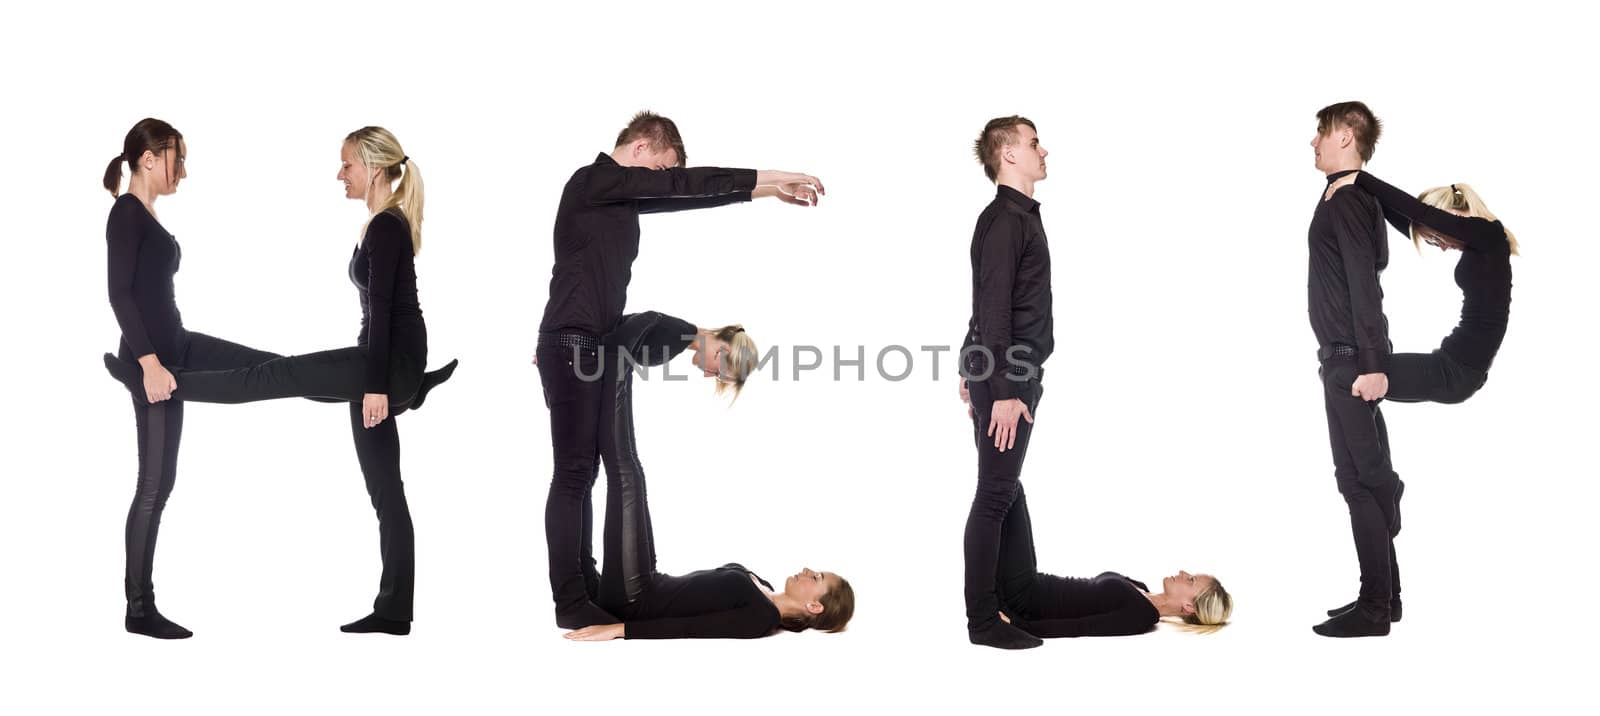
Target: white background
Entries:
(1181, 426)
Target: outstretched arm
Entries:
(1131, 619)
(1470, 230)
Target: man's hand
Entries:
(791, 187)
(1003, 422)
(1370, 386)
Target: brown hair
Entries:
(838, 605)
(1358, 119)
(662, 133)
(999, 132)
(149, 135)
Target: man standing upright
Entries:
(596, 241)
(1008, 339)
(1347, 253)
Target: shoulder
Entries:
(388, 225)
(1353, 198)
(127, 210)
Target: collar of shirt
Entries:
(1023, 201)
(604, 158)
(1338, 175)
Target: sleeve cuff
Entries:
(744, 180)
(1373, 362)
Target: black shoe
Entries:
(153, 625)
(1394, 609)
(586, 614)
(374, 624)
(1001, 635)
(128, 374)
(431, 380)
(1354, 623)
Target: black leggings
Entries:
(339, 374)
(160, 428)
(999, 490)
(1431, 377)
(223, 372)
(629, 569)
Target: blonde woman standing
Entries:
(380, 377)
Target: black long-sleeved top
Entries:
(1011, 300)
(650, 338)
(597, 233)
(141, 261)
(1483, 272)
(383, 267)
(1108, 605)
(721, 603)
(1347, 252)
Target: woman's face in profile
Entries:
(353, 173)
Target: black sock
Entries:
(431, 380)
(1354, 623)
(1001, 635)
(586, 614)
(152, 624)
(1394, 609)
(374, 624)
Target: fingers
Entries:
(1027, 414)
(813, 181)
(1011, 437)
(1004, 618)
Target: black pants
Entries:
(575, 406)
(629, 538)
(999, 492)
(160, 429)
(1017, 569)
(339, 374)
(1366, 479)
(1432, 377)
(334, 374)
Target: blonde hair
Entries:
(1459, 197)
(1212, 609)
(741, 359)
(380, 152)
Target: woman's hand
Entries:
(158, 381)
(792, 187)
(598, 632)
(374, 408)
(1343, 181)
(1004, 618)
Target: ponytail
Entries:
(113, 180)
(380, 152)
(1461, 197)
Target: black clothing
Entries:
(597, 233)
(378, 452)
(141, 260)
(713, 603)
(596, 239)
(394, 340)
(1483, 272)
(1049, 606)
(1347, 253)
(1011, 298)
(383, 268)
(997, 496)
(1359, 440)
(159, 429)
(1432, 377)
